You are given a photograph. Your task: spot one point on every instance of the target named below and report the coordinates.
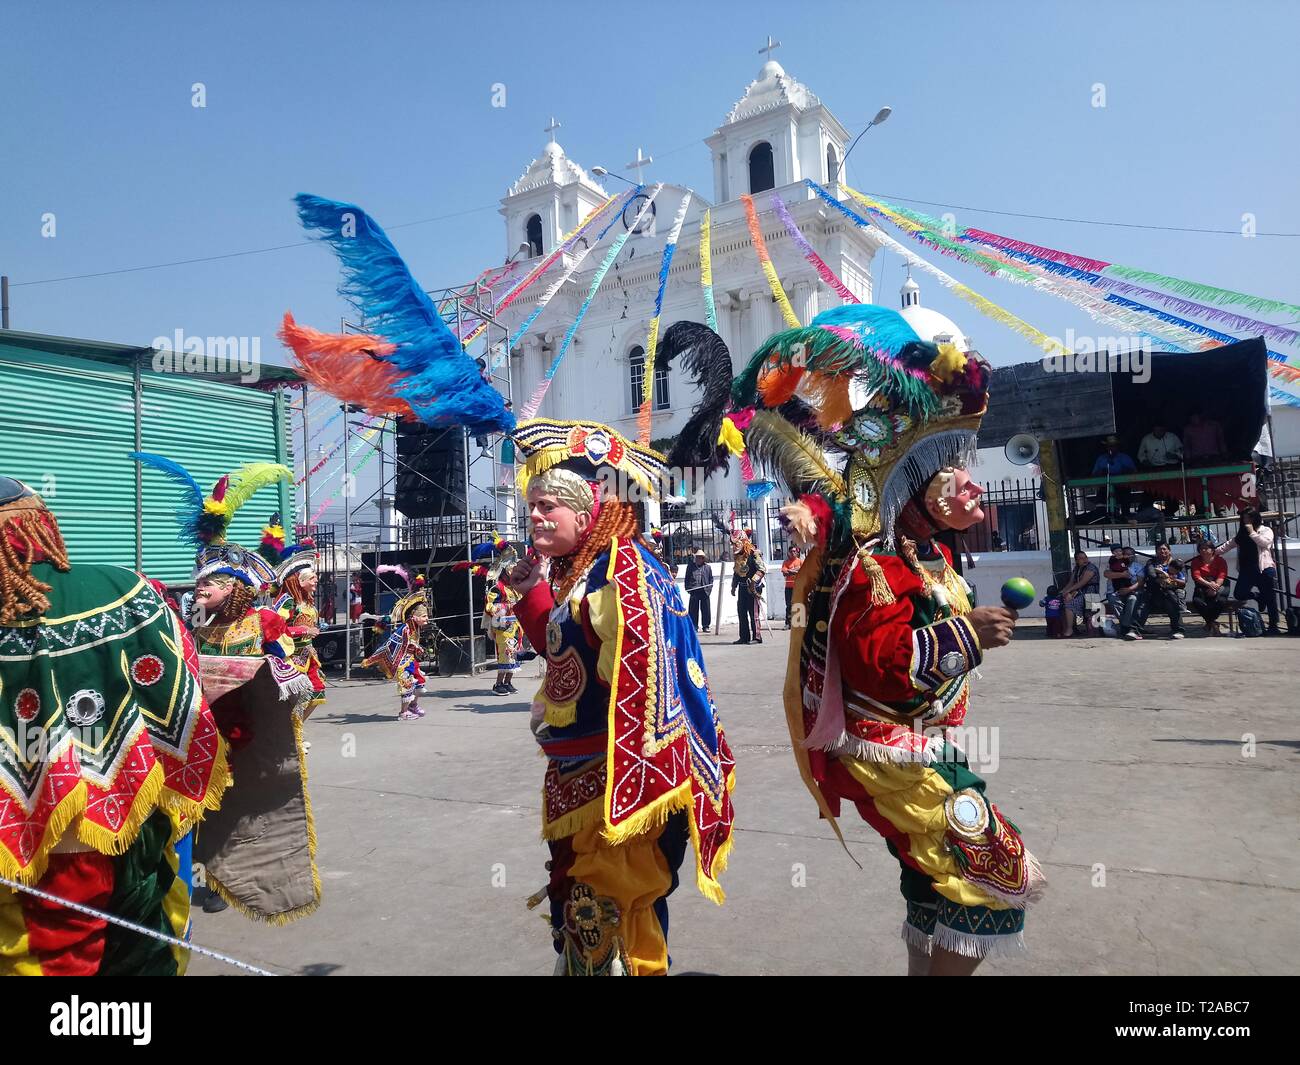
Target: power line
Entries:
(1077, 221)
(493, 207)
(238, 254)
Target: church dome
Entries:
(933, 326)
(928, 324)
(772, 88)
(553, 167)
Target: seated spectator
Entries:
(1203, 439)
(1210, 586)
(1160, 449)
(1163, 588)
(1053, 608)
(1126, 576)
(1084, 580)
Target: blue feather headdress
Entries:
(442, 384)
(203, 520)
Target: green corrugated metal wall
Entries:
(67, 425)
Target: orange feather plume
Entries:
(829, 393)
(778, 385)
(341, 364)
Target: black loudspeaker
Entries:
(430, 471)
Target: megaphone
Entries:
(1021, 449)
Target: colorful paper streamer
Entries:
(1049, 345)
(539, 393)
(571, 238)
(1044, 261)
(644, 415)
(365, 438)
(706, 272)
(1085, 288)
(563, 279)
(809, 253)
(765, 262)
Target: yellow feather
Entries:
(774, 441)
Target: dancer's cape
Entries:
(109, 754)
(258, 852)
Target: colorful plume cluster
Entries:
(408, 362)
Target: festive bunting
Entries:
(765, 261)
(1049, 345)
(539, 393)
(1034, 275)
(1083, 288)
(364, 438)
(568, 241)
(801, 242)
(652, 338)
(706, 272)
(563, 279)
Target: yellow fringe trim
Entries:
(584, 816)
(61, 817)
(143, 803)
(152, 795)
(289, 916)
(543, 460)
(560, 715)
(279, 920)
(306, 802)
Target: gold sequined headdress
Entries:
(895, 410)
(589, 450)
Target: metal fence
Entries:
(1015, 518)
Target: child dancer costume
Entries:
(258, 851)
(295, 583)
(398, 657)
(881, 652)
(636, 758)
(109, 754)
(499, 613)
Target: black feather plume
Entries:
(706, 358)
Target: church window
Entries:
(533, 234)
(762, 173)
(636, 378)
(832, 163)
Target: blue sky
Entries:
(389, 105)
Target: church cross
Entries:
(770, 47)
(550, 130)
(640, 161)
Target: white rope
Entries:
(133, 927)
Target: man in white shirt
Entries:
(1160, 448)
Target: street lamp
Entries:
(524, 249)
(601, 171)
(881, 115)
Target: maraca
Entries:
(1017, 593)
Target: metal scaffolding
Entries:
(485, 501)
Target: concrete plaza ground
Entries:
(1122, 756)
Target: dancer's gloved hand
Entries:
(994, 625)
(526, 573)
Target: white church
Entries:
(777, 134)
